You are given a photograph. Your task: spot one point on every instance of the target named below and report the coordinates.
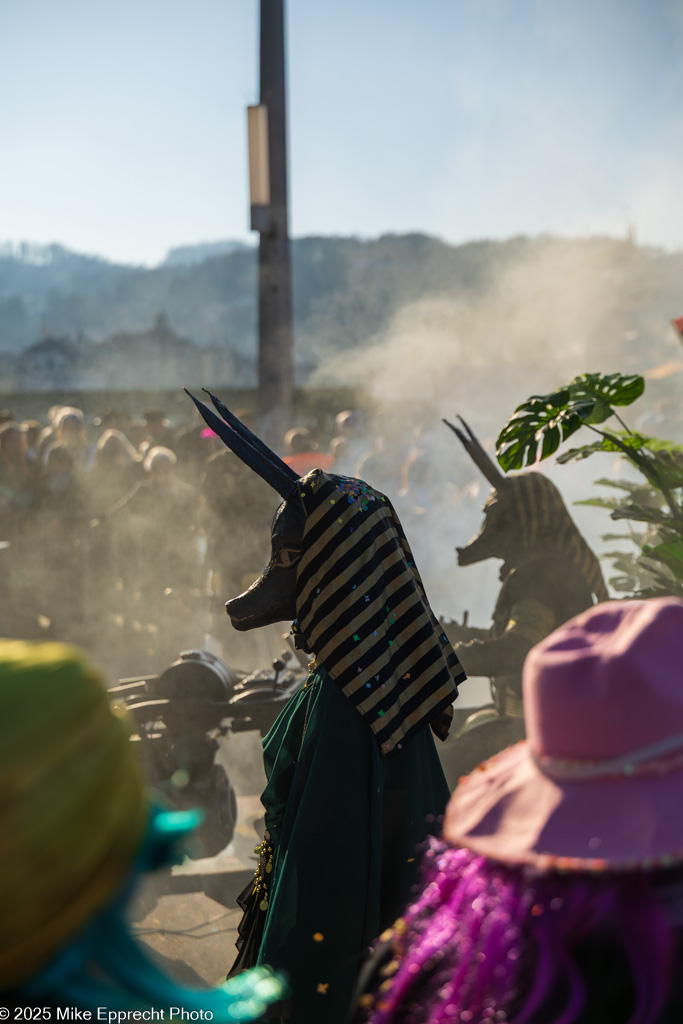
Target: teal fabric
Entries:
(345, 823)
(105, 965)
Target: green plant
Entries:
(540, 425)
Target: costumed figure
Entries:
(76, 831)
(354, 779)
(555, 895)
(549, 574)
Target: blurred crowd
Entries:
(127, 535)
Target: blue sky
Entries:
(123, 125)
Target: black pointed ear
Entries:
(249, 436)
(478, 454)
(282, 482)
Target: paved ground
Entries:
(192, 938)
(189, 917)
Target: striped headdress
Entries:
(542, 519)
(363, 612)
(545, 524)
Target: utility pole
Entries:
(268, 180)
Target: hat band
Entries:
(652, 759)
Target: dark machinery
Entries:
(181, 715)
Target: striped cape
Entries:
(363, 612)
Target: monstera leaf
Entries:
(538, 426)
(642, 576)
(670, 552)
(630, 486)
(641, 514)
(609, 503)
(616, 442)
(652, 506)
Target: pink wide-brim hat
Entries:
(598, 783)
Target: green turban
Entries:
(73, 810)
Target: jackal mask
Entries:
(342, 569)
(525, 517)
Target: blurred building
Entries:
(156, 358)
(56, 364)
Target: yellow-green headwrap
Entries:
(72, 802)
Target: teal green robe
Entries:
(345, 823)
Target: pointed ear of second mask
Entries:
(478, 454)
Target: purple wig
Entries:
(485, 942)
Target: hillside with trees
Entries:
(499, 299)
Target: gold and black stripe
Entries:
(545, 522)
(362, 608)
